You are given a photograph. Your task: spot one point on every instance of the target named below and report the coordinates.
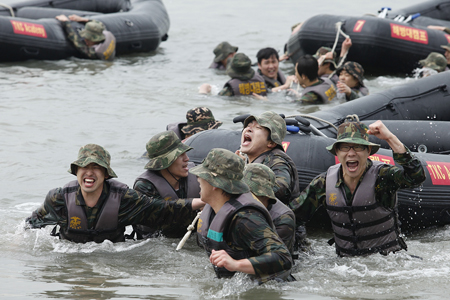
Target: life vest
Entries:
(176, 127)
(365, 227)
(246, 87)
(325, 90)
(218, 66)
(294, 184)
(212, 229)
(166, 191)
(106, 50)
(361, 90)
(107, 219)
(334, 79)
(270, 82)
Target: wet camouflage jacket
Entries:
(134, 208)
(284, 187)
(250, 232)
(78, 42)
(390, 179)
(147, 188)
(226, 91)
(285, 227)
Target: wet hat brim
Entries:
(359, 141)
(231, 186)
(94, 38)
(222, 56)
(83, 162)
(446, 47)
(240, 75)
(164, 161)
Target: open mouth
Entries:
(89, 182)
(352, 166)
(247, 140)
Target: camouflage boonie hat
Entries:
(323, 51)
(224, 170)
(354, 69)
(223, 50)
(93, 31)
(163, 149)
(200, 119)
(435, 61)
(273, 122)
(355, 133)
(92, 153)
(446, 47)
(240, 67)
(260, 179)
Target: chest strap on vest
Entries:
(357, 239)
(350, 209)
(354, 226)
(358, 252)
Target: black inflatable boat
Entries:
(29, 30)
(380, 45)
(419, 208)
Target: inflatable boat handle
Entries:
(383, 12)
(411, 17)
(308, 125)
(293, 128)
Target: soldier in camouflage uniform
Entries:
(96, 207)
(166, 177)
(434, 61)
(315, 90)
(359, 194)
(351, 81)
(328, 61)
(235, 228)
(199, 119)
(261, 179)
(261, 141)
(95, 42)
(222, 53)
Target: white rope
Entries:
(339, 31)
(190, 228)
(8, 7)
(314, 118)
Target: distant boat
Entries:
(29, 30)
(381, 45)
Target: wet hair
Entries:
(307, 65)
(266, 53)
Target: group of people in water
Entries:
(253, 213)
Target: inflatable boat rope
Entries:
(8, 7)
(314, 118)
(339, 31)
(188, 234)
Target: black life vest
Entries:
(365, 227)
(212, 229)
(325, 90)
(247, 87)
(106, 224)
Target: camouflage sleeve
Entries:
(251, 231)
(146, 187)
(310, 98)
(52, 211)
(77, 41)
(136, 208)
(355, 94)
(391, 178)
(226, 91)
(282, 187)
(285, 227)
(312, 197)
